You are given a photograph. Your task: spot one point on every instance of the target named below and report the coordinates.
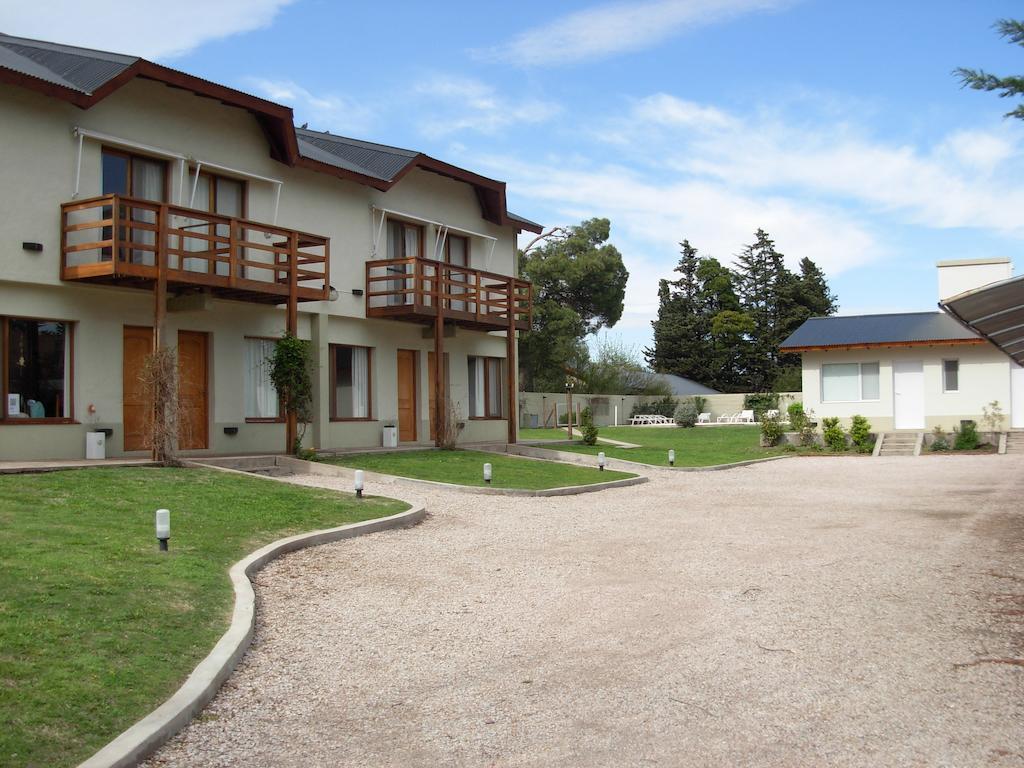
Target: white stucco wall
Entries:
(38, 165)
(984, 377)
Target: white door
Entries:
(908, 394)
(1016, 396)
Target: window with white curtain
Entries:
(261, 400)
(350, 382)
(485, 387)
(849, 382)
(405, 241)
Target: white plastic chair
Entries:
(704, 418)
(745, 417)
(727, 418)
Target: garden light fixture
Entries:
(600, 460)
(163, 527)
(359, 483)
(487, 473)
(671, 457)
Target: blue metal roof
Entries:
(877, 329)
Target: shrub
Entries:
(939, 440)
(291, 372)
(587, 427)
(700, 403)
(686, 414)
(992, 416)
(759, 402)
(966, 438)
(797, 417)
(835, 437)
(665, 406)
(771, 432)
(860, 434)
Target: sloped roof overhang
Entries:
(995, 312)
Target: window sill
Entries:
(6, 422)
(269, 420)
(366, 419)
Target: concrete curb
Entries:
(143, 738)
(332, 470)
(586, 459)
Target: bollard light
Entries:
(359, 483)
(163, 527)
(671, 457)
(600, 460)
(487, 473)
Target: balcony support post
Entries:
(291, 418)
(159, 291)
(440, 396)
(511, 368)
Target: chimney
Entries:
(959, 275)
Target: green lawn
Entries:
(561, 433)
(97, 627)
(696, 447)
(466, 468)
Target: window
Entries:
(485, 387)
(144, 178)
(220, 195)
(37, 369)
(261, 400)
(405, 241)
(950, 375)
(350, 382)
(457, 254)
(849, 382)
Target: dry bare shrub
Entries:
(449, 427)
(159, 379)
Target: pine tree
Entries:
(760, 274)
(1008, 87)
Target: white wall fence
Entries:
(548, 409)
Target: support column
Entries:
(440, 396)
(320, 343)
(511, 368)
(291, 429)
(159, 293)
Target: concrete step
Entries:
(896, 452)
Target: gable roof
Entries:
(898, 329)
(84, 77)
(682, 386)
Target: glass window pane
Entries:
(115, 174)
(37, 370)
(148, 179)
(869, 381)
(493, 386)
(229, 197)
(951, 375)
(476, 387)
(261, 400)
(351, 382)
(840, 381)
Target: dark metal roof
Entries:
(996, 312)
(533, 226)
(80, 69)
(378, 161)
(856, 330)
(682, 386)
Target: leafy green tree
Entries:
(1008, 87)
(579, 287)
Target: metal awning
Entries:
(994, 311)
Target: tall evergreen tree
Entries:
(761, 276)
(1008, 87)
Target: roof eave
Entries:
(878, 345)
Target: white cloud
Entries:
(330, 112)
(615, 28)
(151, 29)
(452, 104)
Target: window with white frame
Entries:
(261, 400)
(950, 375)
(849, 382)
(350, 382)
(485, 387)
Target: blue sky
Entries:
(835, 126)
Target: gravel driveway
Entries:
(808, 612)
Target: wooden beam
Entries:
(159, 287)
(291, 419)
(440, 406)
(883, 345)
(510, 367)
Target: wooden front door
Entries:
(431, 373)
(138, 343)
(406, 395)
(193, 412)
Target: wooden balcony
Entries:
(414, 290)
(115, 240)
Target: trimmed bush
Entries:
(860, 434)
(966, 438)
(587, 427)
(834, 436)
(771, 432)
(686, 414)
(797, 417)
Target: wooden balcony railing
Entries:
(124, 241)
(413, 289)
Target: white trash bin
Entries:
(390, 439)
(95, 445)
